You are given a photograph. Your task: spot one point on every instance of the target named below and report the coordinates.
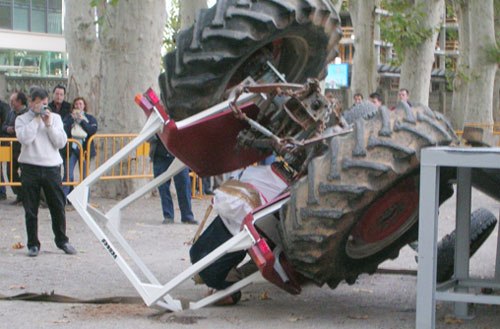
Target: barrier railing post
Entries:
(6, 155)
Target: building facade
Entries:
(32, 45)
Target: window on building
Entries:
(54, 17)
(43, 16)
(39, 16)
(5, 14)
(21, 15)
(33, 63)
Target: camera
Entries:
(44, 110)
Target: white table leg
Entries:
(463, 235)
(427, 246)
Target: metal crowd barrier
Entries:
(6, 156)
(106, 146)
(6, 150)
(69, 145)
(136, 165)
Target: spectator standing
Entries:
(161, 161)
(60, 106)
(43, 202)
(19, 106)
(4, 111)
(357, 98)
(79, 125)
(376, 99)
(41, 135)
(403, 96)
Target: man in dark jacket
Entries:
(18, 103)
(58, 104)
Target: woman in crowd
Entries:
(79, 125)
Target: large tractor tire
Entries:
(233, 39)
(358, 204)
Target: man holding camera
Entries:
(41, 135)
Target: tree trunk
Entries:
(417, 64)
(496, 88)
(131, 43)
(482, 31)
(364, 72)
(188, 11)
(84, 53)
(496, 98)
(110, 70)
(462, 72)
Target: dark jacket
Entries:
(10, 121)
(4, 111)
(90, 128)
(64, 111)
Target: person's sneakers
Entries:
(33, 251)
(68, 249)
(168, 220)
(189, 221)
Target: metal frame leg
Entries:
(253, 278)
(152, 292)
(79, 199)
(463, 236)
(427, 251)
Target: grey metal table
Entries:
(457, 289)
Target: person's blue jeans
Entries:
(73, 159)
(182, 186)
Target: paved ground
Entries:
(378, 301)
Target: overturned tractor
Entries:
(239, 87)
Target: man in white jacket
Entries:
(41, 135)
